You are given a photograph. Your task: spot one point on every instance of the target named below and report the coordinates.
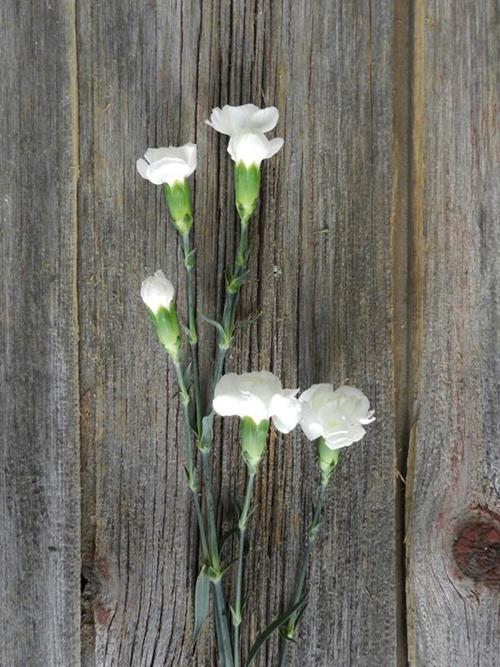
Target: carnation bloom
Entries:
(257, 395)
(246, 126)
(168, 165)
(246, 118)
(336, 416)
(157, 292)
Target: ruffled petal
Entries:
(142, 167)
(265, 120)
(285, 411)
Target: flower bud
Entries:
(253, 441)
(157, 292)
(178, 198)
(167, 328)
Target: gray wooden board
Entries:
(39, 448)
(385, 191)
(453, 507)
(320, 272)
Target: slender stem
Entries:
(222, 622)
(190, 264)
(242, 524)
(312, 535)
(191, 472)
(215, 561)
(228, 318)
(206, 446)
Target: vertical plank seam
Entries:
(416, 275)
(75, 148)
(400, 224)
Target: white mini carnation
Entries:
(246, 118)
(246, 126)
(257, 395)
(157, 291)
(168, 165)
(337, 416)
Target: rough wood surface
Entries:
(320, 271)
(453, 506)
(374, 259)
(39, 443)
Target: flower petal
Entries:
(251, 148)
(142, 167)
(285, 411)
(265, 120)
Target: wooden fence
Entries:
(374, 257)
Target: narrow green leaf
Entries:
(229, 566)
(201, 595)
(215, 324)
(265, 634)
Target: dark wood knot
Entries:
(477, 549)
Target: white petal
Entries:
(311, 427)
(265, 120)
(308, 395)
(168, 170)
(168, 164)
(338, 443)
(286, 411)
(251, 148)
(155, 154)
(143, 168)
(232, 120)
(274, 146)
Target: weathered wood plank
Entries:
(453, 492)
(320, 271)
(39, 473)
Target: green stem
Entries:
(206, 446)
(191, 472)
(228, 319)
(190, 264)
(242, 524)
(222, 623)
(312, 534)
(215, 562)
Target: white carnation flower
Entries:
(337, 416)
(257, 395)
(168, 165)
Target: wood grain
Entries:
(374, 260)
(320, 272)
(39, 444)
(453, 508)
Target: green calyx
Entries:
(328, 459)
(178, 198)
(253, 441)
(246, 186)
(167, 327)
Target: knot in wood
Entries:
(477, 549)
